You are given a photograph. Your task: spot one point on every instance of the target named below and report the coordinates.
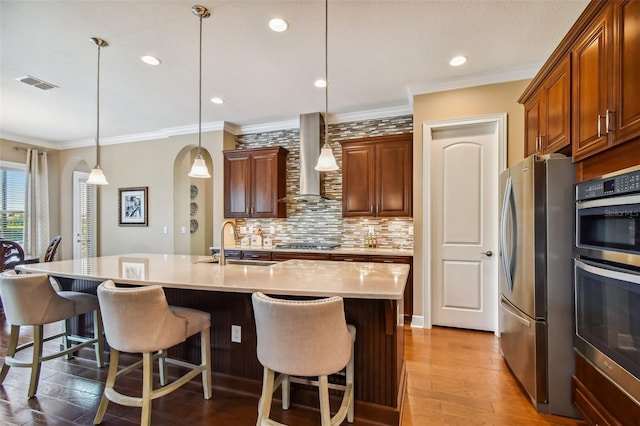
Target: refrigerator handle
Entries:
(508, 204)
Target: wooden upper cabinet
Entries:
(358, 179)
(592, 110)
(548, 113)
(607, 80)
(626, 71)
(533, 121)
(377, 176)
(557, 109)
(254, 181)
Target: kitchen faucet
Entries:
(235, 237)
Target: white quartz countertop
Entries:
(360, 280)
(339, 250)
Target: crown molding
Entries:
(521, 73)
(232, 128)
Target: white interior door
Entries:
(84, 217)
(464, 170)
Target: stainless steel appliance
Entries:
(536, 283)
(607, 276)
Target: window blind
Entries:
(12, 199)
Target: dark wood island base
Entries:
(380, 376)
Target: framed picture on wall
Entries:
(132, 206)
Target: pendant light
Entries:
(199, 168)
(97, 176)
(326, 161)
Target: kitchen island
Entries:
(372, 295)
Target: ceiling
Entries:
(380, 55)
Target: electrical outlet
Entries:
(165, 229)
(411, 230)
(243, 229)
(183, 230)
(251, 229)
(236, 334)
(272, 229)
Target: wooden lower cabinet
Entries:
(600, 401)
(229, 254)
(256, 255)
(282, 256)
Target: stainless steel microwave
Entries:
(608, 218)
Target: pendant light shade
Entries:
(97, 176)
(326, 161)
(199, 168)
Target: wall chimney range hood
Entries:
(311, 137)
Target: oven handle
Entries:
(605, 271)
(609, 201)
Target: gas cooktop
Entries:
(307, 246)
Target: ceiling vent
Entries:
(32, 81)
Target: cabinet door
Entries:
(358, 180)
(626, 77)
(237, 185)
(282, 256)
(256, 255)
(264, 183)
(394, 176)
(557, 109)
(350, 257)
(533, 123)
(591, 61)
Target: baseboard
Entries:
(417, 321)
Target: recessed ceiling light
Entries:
(457, 61)
(320, 83)
(278, 25)
(217, 100)
(150, 60)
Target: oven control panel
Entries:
(625, 183)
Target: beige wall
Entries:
(470, 102)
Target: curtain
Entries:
(36, 221)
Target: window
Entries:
(12, 194)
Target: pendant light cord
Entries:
(98, 111)
(200, 93)
(326, 72)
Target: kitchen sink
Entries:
(250, 262)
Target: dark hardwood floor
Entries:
(455, 377)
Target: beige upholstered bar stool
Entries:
(29, 299)
(139, 320)
(303, 338)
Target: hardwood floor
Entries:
(455, 377)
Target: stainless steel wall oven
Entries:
(607, 276)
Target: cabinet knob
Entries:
(487, 253)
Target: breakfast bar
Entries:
(372, 295)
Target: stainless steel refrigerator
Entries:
(536, 279)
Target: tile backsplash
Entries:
(323, 221)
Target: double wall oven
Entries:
(607, 276)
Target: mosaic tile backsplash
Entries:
(322, 222)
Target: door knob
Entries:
(489, 253)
